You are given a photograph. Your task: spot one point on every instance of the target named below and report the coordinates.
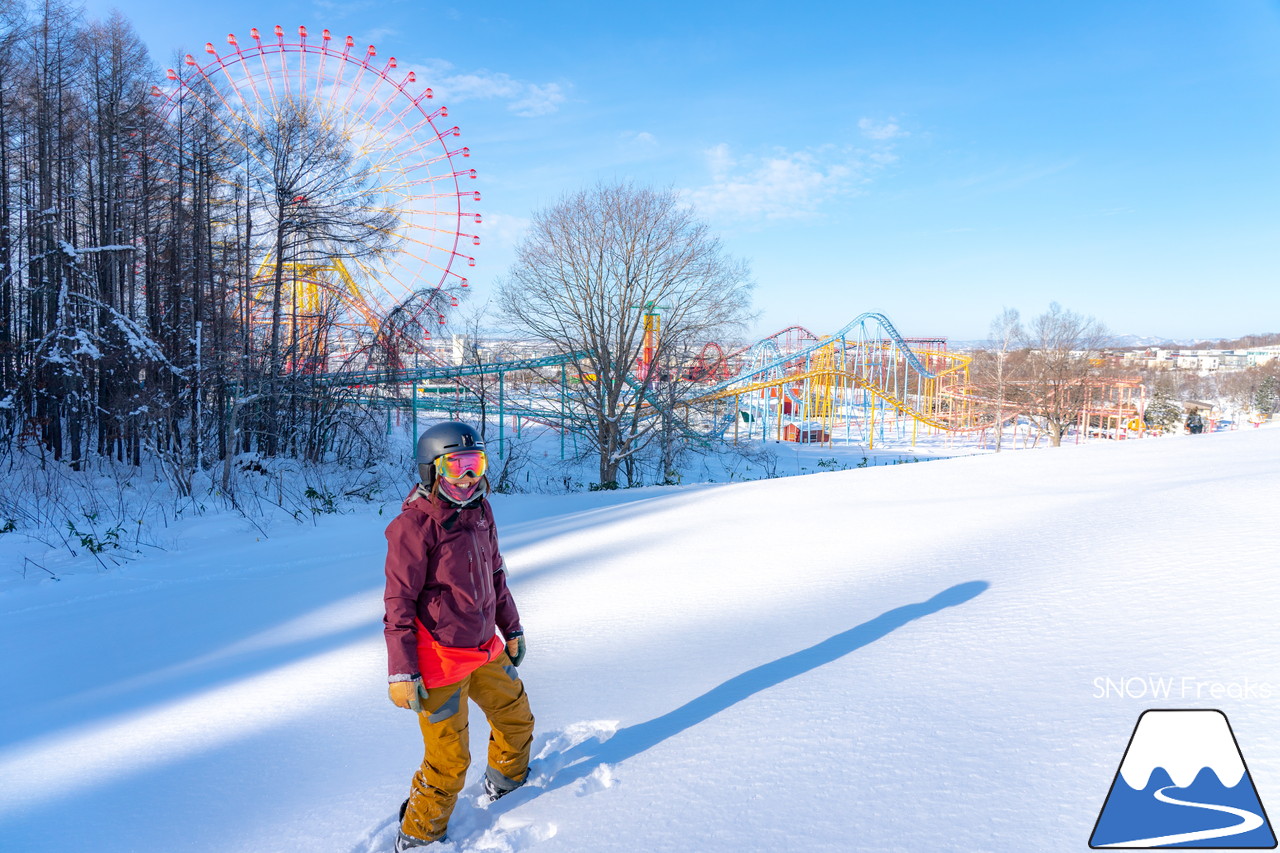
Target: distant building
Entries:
(463, 349)
(1261, 355)
(1200, 360)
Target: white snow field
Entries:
(947, 656)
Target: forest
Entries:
(138, 318)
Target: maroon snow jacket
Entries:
(445, 571)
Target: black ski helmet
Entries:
(444, 438)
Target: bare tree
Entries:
(401, 331)
(128, 254)
(1060, 364)
(469, 353)
(318, 205)
(1252, 389)
(1006, 329)
(591, 268)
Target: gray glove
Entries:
(515, 648)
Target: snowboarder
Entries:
(446, 600)
(1195, 424)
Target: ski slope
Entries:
(902, 658)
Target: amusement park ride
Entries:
(399, 142)
(864, 382)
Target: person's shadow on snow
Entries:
(581, 761)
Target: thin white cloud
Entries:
(780, 185)
(522, 97)
(378, 34)
(638, 139)
(882, 130)
(637, 145)
(538, 100)
(720, 161)
(1012, 176)
(502, 232)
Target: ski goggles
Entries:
(455, 466)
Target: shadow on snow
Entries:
(582, 760)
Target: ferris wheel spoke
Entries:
(413, 105)
(355, 86)
(324, 59)
(284, 68)
(419, 241)
(266, 73)
(230, 110)
(381, 77)
(410, 132)
(423, 261)
(406, 238)
(396, 185)
(383, 159)
(303, 50)
(439, 137)
(401, 161)
(248, 114)
(389, 103)
(336, 85)
(404, 211)
(445, 156)
(211, 111)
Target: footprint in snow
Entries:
(569, 747)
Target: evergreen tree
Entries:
(1267, 400)
(1163, 412)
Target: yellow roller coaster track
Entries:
(308, 281)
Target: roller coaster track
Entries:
(866, 371)
(471, 397)
(868, 357)
(447, 372)
(858, 324)
(833, 378)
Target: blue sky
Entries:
(934, 161)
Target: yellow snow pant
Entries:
(497, 689)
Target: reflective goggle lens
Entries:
(456, 465)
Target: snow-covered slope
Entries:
(941, 656)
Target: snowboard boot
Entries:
(499, 789)
(405, 842)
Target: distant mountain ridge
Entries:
(1146, 341)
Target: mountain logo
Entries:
(1183, 783)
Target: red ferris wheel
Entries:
(400, 151)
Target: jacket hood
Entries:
(419, 499)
